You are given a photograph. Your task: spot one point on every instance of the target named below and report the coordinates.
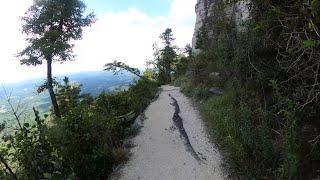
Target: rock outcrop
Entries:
(208, 10)
(203, 8)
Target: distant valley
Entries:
(24, 94)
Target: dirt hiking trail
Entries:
(172, 144)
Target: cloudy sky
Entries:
(125, 30)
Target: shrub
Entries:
(266, 121)
(86, 143)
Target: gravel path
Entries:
(173, 144)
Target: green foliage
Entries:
(245, 146)
(201, 38)
(142, 93)
(42, 88)
(199, 93)
(68, 96)
(93, 131)
(181, 66)
(310, 43)
(167, 37)
(266, 123)
(199, 68)
(150, 74)
(29, 149)
(291, 37)
(117, 67)
(50, 26)
(289, 58)
(165, 58)
(180, 81)
(85, 143)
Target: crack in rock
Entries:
(178, 122)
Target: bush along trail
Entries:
(172, 144)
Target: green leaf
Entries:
(257, 27)
(310, 43)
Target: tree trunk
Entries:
(55, 106)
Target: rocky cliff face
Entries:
(203, 9)
(206, 10)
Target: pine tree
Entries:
(51, 26)
(167, 57)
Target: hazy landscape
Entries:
(25, 93)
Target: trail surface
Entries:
(172, 144)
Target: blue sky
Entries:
(125, 30)
(150, 7)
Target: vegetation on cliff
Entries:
(266, 121)
(86, 142)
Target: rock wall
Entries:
(206, 9)
(202, 9)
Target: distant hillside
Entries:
(25, 93)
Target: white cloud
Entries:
(11, 41)
(127, 36)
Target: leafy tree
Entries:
(117, 67)
(167, 37)
(165, 58)
(51, 25)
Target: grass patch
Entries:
(246, 146)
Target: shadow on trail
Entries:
(178, 122)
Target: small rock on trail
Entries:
(162, 152)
